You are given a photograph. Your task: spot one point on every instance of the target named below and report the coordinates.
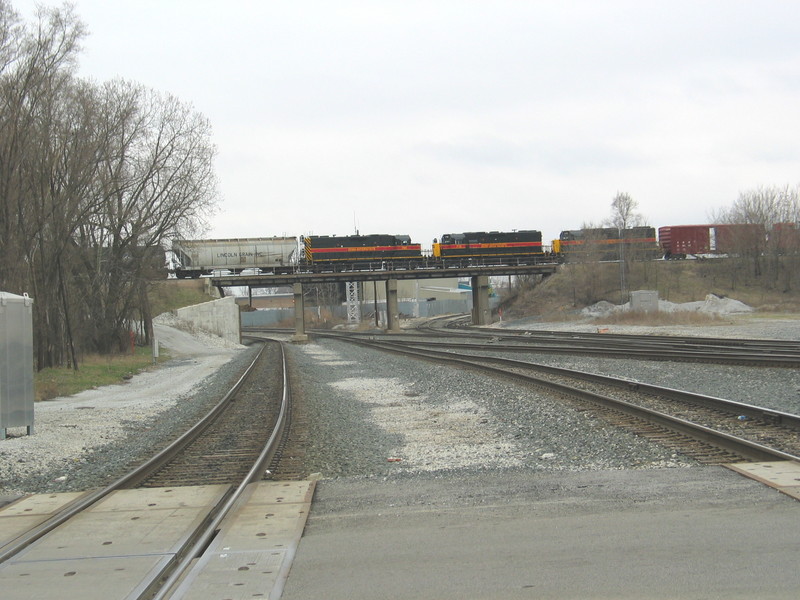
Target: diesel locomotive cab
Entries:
(361, 251)
(492, 247)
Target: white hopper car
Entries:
(193, 258)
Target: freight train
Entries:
(192, 258)
(379, 251)
(491, 248)
(319, 253)
(607, 243)
(680, 241)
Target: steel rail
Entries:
(618, 350)
(654, 348)
(187, 567)
(745, 448)
(139, 473)
(752, 411)
(530, 336)
(787, 349)
(694, 355)
(537, 335)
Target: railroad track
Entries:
(223, 452)
(230, 448)
(744, 352)
(711, 430)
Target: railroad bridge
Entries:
(479, 276)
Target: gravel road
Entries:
(373, 416)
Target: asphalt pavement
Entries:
(703, 532)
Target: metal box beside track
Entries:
(16, 362)
(644, 301)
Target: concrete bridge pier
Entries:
(392, 310)
(299, 314)
(481, 313)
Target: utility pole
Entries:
(621, 266)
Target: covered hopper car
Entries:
(193, 258)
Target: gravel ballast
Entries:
(775, 388)
(382, 414)
(371, 415)
(89, 439)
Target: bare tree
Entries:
(769, 220)
(93, 180)
(156, 179)
(624, 215)
(10, 34)
(35, 79)
(624, 212)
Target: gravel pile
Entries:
(371, 415)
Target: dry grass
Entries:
(562, 296)
(170, 294)
(93, 371)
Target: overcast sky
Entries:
(430, 117)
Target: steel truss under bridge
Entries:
(353, 307)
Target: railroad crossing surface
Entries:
(659, 533)
(118, 547)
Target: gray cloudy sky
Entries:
(427, 117)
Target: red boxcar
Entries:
(678, 241)
(785, 238)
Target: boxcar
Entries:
(680, 241)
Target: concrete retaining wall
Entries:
(218, 316)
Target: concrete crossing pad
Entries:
(252, 555)
(783, 475)
(114, 549)
(117, 547)
(30, 511)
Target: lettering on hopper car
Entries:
(241, 254)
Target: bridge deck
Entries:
(262, 281)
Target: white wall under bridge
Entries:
(220, 317)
